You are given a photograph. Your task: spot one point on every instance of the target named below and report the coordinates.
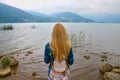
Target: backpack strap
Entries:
(51, 58)
(50, 54)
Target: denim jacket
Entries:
(48, 57)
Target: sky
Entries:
(82, 7)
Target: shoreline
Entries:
(83, 68)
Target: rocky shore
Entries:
(7, 64)
(87, 66)
(108, 72)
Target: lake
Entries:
(99, 37)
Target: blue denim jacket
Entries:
(48, 57)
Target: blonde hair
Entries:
(60, 43)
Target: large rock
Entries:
(30, 52)
(105, 68)
(111, 76)
(5, 65)
(5, 61)
(34, 74)
(116, 70)
(5, 71)
(3, 58)
(13, 62)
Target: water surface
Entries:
(33, 36)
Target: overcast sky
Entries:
(77, 6)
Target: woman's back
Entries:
(58, 49)
(60, 43)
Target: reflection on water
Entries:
(33, 36)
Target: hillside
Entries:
(12, 14)
(69, 17)
(105, 18)
(63, 17)
(9, 14)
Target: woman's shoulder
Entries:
(70, 47)
(47, 49)
(47, 45)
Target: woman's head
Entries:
(60, 43)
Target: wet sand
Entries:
(83, 68)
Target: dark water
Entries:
(33, 36)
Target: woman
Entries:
(59, 48)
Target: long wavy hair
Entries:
(60, 43)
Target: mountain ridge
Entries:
(13, 14)
(7, 11)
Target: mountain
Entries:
(43, 16)
(36, 13)
(62, 17)
(69, 17)
(9, 14)
(106, 18)
(111, 18)
(12, 14)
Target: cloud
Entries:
(77, 6)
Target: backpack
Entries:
(59, 70)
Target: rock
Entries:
(1, 56)
(105, 52)
(17, 54)
(9, 61)
(34, 74)
(103, 56)
(5, 71)
(32, 27)
(29, 52)
(111, 76)
(13, 69)
(102, 60)
(23, 58)
(5, 61)
(13, 72)
(11, 56)
(6, 64)
(26, 55)
(105, 68)
(87, 57)
(13, 62)
(116, 70)
(92, 53)
(105, 59)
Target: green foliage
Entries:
(73, 38)
(78, 39)
(81, 38)
(118, 67)
(117, 63)
(5, 62)
(7, 27)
